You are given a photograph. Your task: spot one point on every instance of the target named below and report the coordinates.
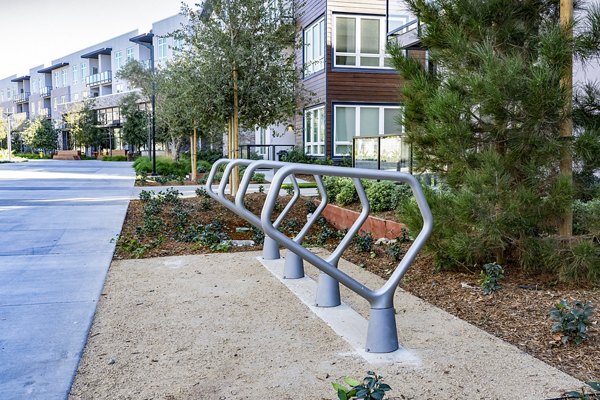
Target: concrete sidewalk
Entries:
(222, 326)
(58, 223)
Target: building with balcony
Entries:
(344, 62)
(52, 91)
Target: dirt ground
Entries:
(220, 326)
(518, 313)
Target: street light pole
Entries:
(8, 136)
(147, 40)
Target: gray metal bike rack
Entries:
(294, 265)
(270, 247)
(382, 335)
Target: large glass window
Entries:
(118, 60)
(350, 121)
(314, 43)
(162, 48)
(64, 77)
(57, 79)
(314, 131)
(83, 71)
(130, 55)
(359, 41)
(75, 74)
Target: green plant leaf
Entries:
(594, 385)
(338, 387)
(351, 381)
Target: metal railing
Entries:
(387, 152)
(270, 150)
(99, 79)
(22, 97)
(46, 91)
(382, 336)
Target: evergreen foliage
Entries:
(40, 134)
(135, 127)
(83, 125)
(487, 121)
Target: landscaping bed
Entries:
(518, 312)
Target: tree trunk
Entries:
(566, 129)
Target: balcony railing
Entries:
(44, 112)
(99, 79)
(46, 91)
(407, 35)
(388, 152)
(22, 97)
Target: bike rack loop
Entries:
(382, 334)
(294, 265)
(270, 247)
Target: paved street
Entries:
(58, 224)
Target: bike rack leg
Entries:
(293, 267)
(270, 249)
(382, 334)
(328, 291)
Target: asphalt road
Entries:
(58, 224)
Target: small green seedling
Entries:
(371, 388)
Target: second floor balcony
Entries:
(46, 91)
(407, 35)
(101, 78)
(22, 97)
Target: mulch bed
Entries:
(518, 313)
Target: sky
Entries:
(35, 32)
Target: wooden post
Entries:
(566, 129)
(235, 175)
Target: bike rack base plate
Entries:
(343, 320)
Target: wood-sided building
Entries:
(345, 66)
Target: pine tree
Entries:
(488, 122)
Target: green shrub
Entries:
(363, 243)
(347, 193)
(257, 177)
(491, 276)
(297, 155)
(203, 166)
(571, 321)
(381, 196)
(114, 158)
(586, 217)
(371, 388)
(209, 155)
(164, 166)
(580, 261)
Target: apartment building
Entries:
(343, 59)
(52, 91)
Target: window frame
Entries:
(358, 107)
(162, 48)
(358, 18)
(313, 65)
(118, 60)
(130, 54)
(309, 144)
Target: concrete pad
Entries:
(221, 326)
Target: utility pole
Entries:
(8, 136)
(566, 128)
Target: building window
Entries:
(76, 97)
(130, 55)
(63, 99)
(314, 131)
(178, 44)
(75, 74)
(162, 48)
(119, 88)
(55, 104)
(359, 42)
(314, 42)
(118, 60)
(57, 79)
(64, 77)
(350, 121)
